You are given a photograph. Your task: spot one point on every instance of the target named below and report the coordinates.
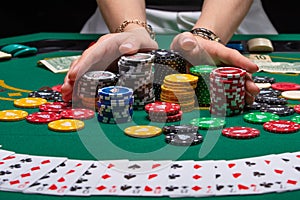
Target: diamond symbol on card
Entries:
(197, 176)
(101, 187)
(278, 171)
(292, 182)
(14, 182)
(231, 165)
(155, 166)
(25, 175)
(196, 188)
(106, 176)
(35, 168)
(197, 166)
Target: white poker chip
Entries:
(263, 85)
(291, 94)
(260, 44)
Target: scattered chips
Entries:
(240, 132)
(180, 129)
(78, 113)
(281, 126)
(54, 106)
(285, 86)
(208, 123)
(66, 125)
(13, 115)
(43, 117)
(143, 131)
(260, 117)
(263, 79)
(29, 102)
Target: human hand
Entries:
(198, 51)
(104, 52)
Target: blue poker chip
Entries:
(116, 103)
(115, 91)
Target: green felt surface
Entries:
(105, 141)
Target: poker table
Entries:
(96, 141)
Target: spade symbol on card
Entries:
(44, 177)
(135, 166)
(220, 187)
(171, 188)
(26, 160)
(81, 180)
(258, 174)
(285, 159)
(175, 166)
(17, 166)
(174, 176)
(129, 176)
(125, 187)
(87, 173)
(297, 168)
(218, 176)
(266, 185)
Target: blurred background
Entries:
(26, 17)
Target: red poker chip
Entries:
(240, 132)
(162, 108)
(281, 126)
(285, 86)
(229, 72)
(43, 117)
(54, 106)
(77, 113)
(297, 108)
(57, 88)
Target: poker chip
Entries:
(263, 85)
(180, 129)
(297, 108)
(273, 100)
(43, 117)
(281, 110)
(13, 115)
(183, 139)
(285, 86)
(269, 92)
(281, 126)
(162, 108)
(54, 107)
(260, 45)
(240, 132)
(208, 122)
(66, 125)
(163, 119)
(260, 117)
(45, 94)
(296, 119)
(77, 113)
(292, 94)
(29, 102)
(142, 131)
(115, 92)
(57, 88)
(263, 79)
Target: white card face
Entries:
(9, 160)
(28, 177)
(4, 153)
(60, 179)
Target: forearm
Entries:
(223, 16)
(115, 12)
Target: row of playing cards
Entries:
(188, 178)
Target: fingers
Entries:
(251, 90)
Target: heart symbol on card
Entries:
(298, 156)
(71, 171)
(155, 165)
(25, 175)
(35, 168)
(236, 175)
(101, 187)
(243, 187)
(268, 162)
(151, 176)
(196, 188)
(14, 182)
(45, 162)
(278, 171)
(1, 163)
(53, 187)
(148, 189)
(231, 165)
(79, 164)
(197, 166)
(61, 179)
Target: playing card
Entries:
(4, 153)
(60, 179)
(27, 177)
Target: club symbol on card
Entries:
(266, 185)
(26, 160)
(250, 164)
(258, 174)
(87, 173)
(176, 166)
(174, 176)
(171, 188)
(135, 166)
(2, 173)
(81, 180)
(285, 159)
(129, 176)
(125, 187)
(16, 166)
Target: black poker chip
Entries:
(255, 106)
(269, 92)
(273, 100)
(281, 110)
(180, 129)
(45, 94)
(183, 139)
(263, 79)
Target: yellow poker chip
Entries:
(13, 115)
(143, 131)
(181, 78)
(66, 125)
(29, 102)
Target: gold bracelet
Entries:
(138, 22)
(206, 34)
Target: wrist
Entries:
(206, 34)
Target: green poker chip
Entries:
(296, 119)
(208, 122)
(260, 117)
(201, 69)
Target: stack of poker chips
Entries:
(47, 94)
(163, 112)
(115, 104)
(180, 89)
(90, 82)
(136, 72)
(227, 86)
(166, 62)
(202, 89)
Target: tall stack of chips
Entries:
(180, 89)
(115, 104)
(202, 89)
(163, 112)
(136, 72)
(90, 82)
(166, 62)
(227, 86)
